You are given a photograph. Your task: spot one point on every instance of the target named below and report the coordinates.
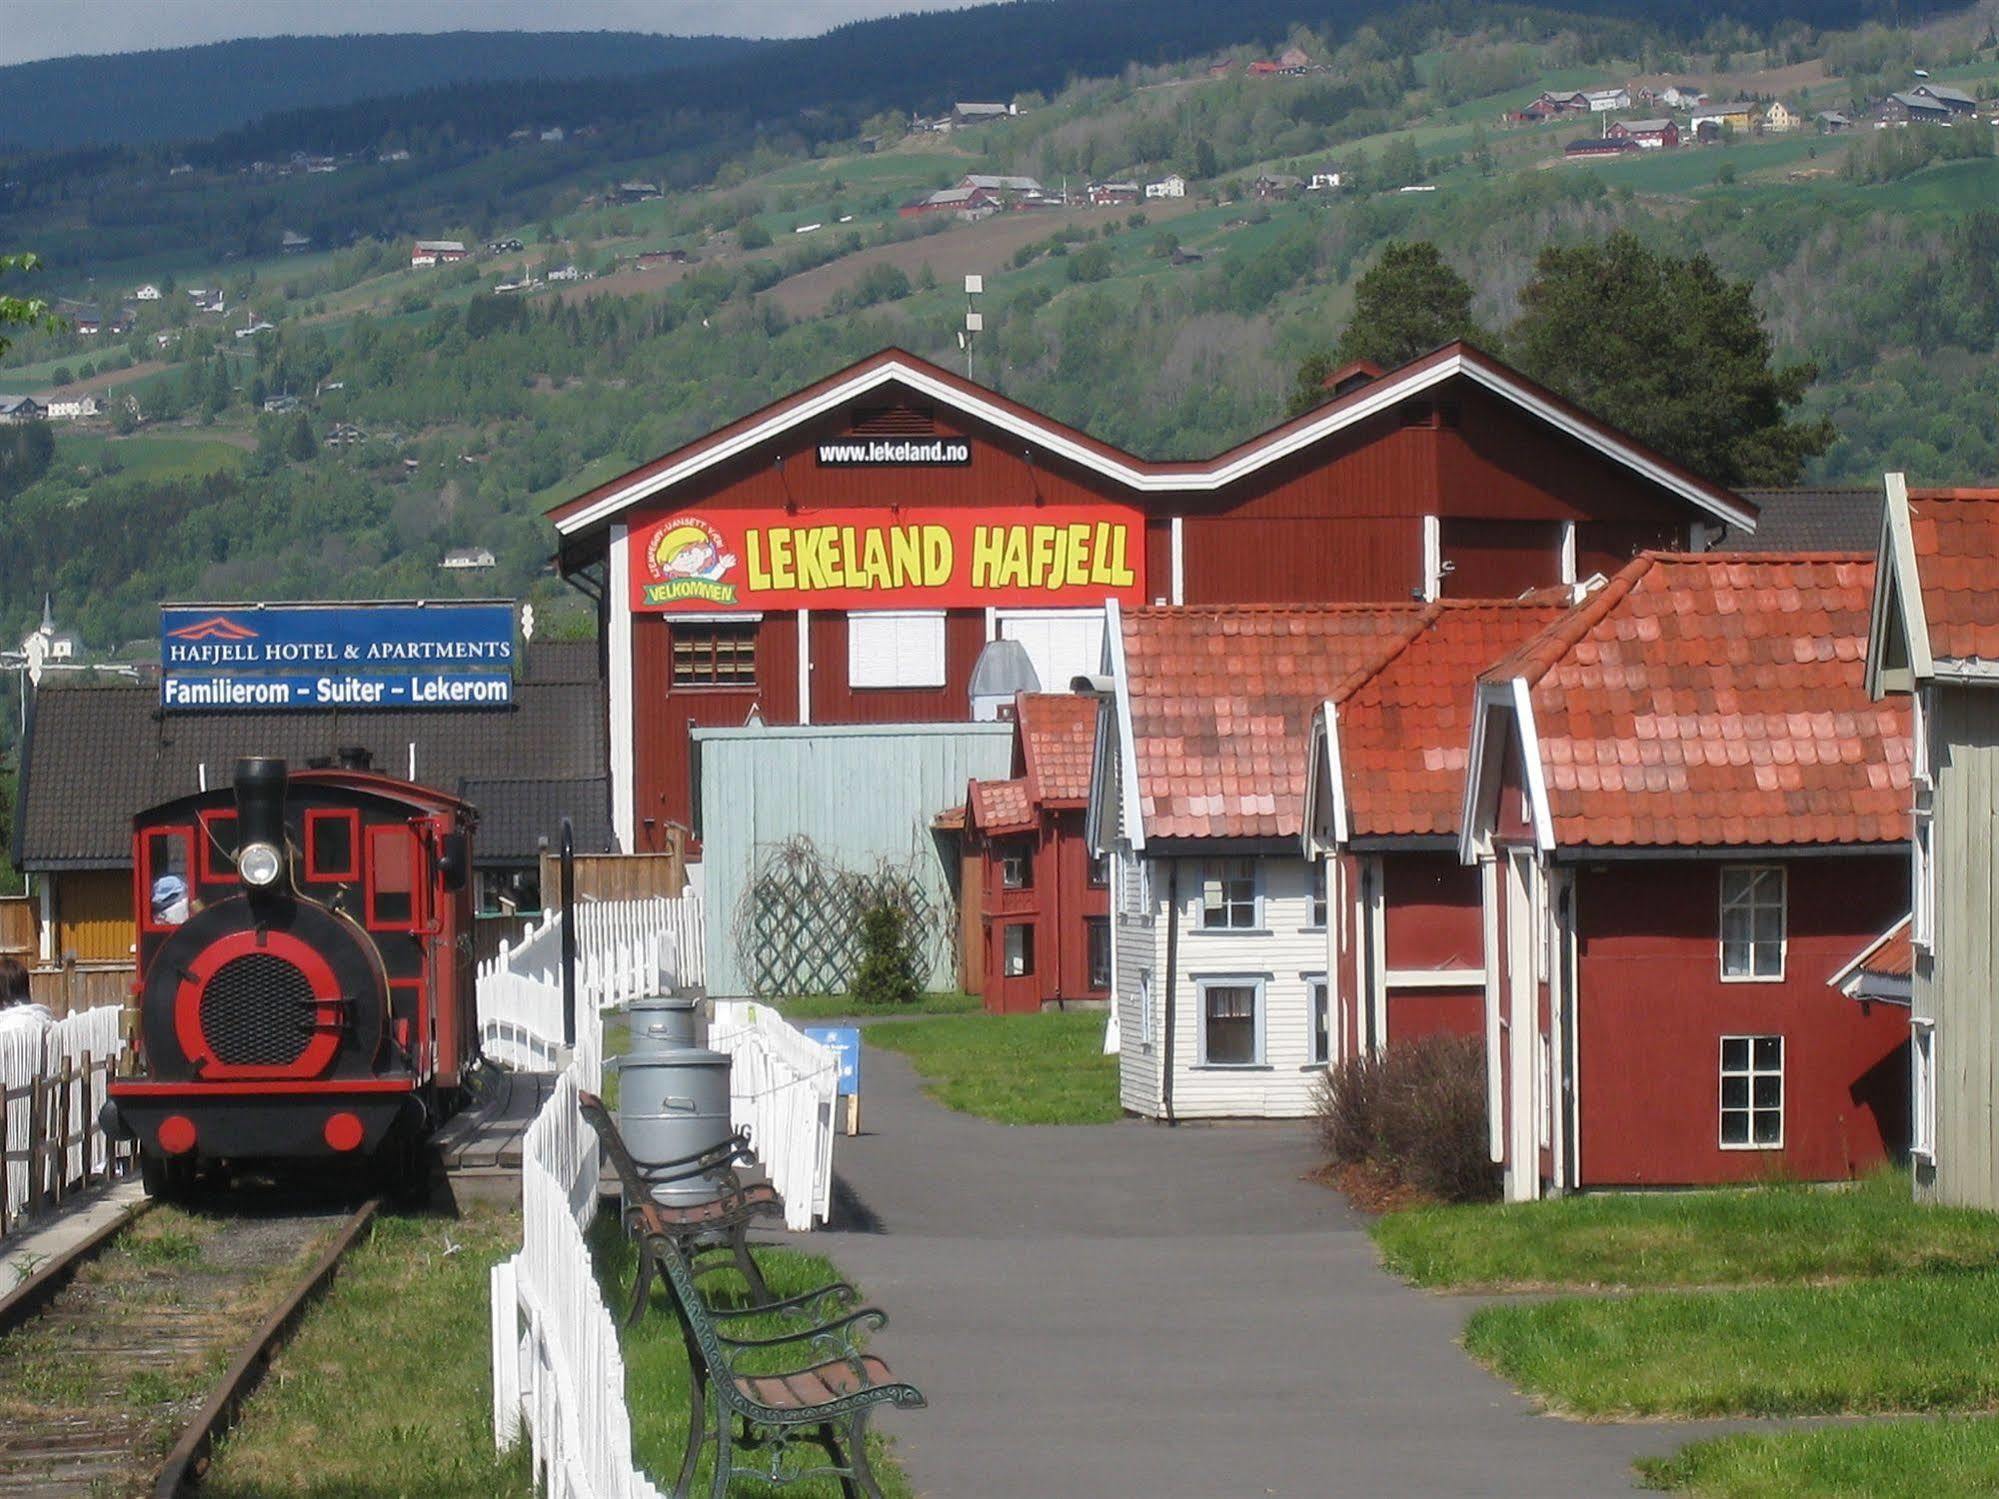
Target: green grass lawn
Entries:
(387, 1388)
(808, 1009)
(656, 1361)
(1744, 1236)
(1884, 1460)
(1920, 1342)
(150, 457)
(1016, 1069)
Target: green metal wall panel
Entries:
(861, 792)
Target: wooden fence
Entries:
(52, 1083)
(617, 876)
(73, 988)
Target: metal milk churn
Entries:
(673, 1104)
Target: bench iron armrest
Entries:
(836, 1338)
(838, 1292)
(731, 1152)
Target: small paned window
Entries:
(1016, 869)
(167, 873)
(330, 839)
(1017, 949)
(1752, 1092)
(1922, 873)
(1752, 922)
(1145, 1006)
(1317, 993)
(1230, 1024)
(714, 654)
(1098, 930)
(1228, 896)
(1318, 898)
(1134, 885)
(1100, 870)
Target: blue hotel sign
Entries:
(265, 656)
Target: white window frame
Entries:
(1133, 877)
(1007, 929)
(1011, 855)
(1318, 906)
(1922, 873)
(1258, 984)
(1092, 924)
(1752, 1108)
(1725, 905)
(918, 662)
(1145, 1021)
(1318, 1002)
(1256, 926)
(1923, 1091)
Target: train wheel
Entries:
(402, 1170)
(168, 1178)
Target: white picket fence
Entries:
(784, 1086)
(557, 1367)
(52, 1083)
(625, 950)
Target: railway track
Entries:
(121, 1379)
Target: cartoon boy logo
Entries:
(687, 560)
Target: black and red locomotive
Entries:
(305, 975)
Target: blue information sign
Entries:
(447, 655)
(844, 1041)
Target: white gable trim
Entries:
(1478, 815)
(1134, 813)
(1323, 754)
(1838, 980)
(1140, 477)
(1898, 594)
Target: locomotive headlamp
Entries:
(259, 863)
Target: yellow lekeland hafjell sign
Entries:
(886, 559)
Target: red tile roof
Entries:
(1718, 699)
(1890, 956)
(1405, 733)
(1000, 806)
(1222, 702)
(1956, 532)
(1058, 735)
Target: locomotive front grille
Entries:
(258, 1010)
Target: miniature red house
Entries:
(1693, 817)
(1035, 905)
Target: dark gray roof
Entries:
(559, 661)
(516, 815)
(93, 755)
(1838, 519)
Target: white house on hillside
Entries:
(1172, 185)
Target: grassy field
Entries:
(810, 1008)
(656, 1362)
(147, 457)
(386, 1390)
(1770, 1234)
(1016, 1069)
(1885, 1460)
(1907, 1343)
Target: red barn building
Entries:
(1035, 905)
(844, 554)
(1693, 817)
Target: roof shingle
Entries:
(1405, 732)
(1222, 702)
(1058, 735)
(96, 755)
(1718, 699)
(1956, 535)
(999, 806)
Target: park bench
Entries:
(721, 1222)
(821, 1396)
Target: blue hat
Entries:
(168, 888)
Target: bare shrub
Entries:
(1416, 1111)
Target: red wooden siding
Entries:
(1432, 919)
(1653, 1010)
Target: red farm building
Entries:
(844, 555)
(1034, 904)
(1692, 816)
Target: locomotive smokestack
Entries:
(260, 820)
(356, 757)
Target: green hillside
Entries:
(432, 411)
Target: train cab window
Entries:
(392, 864)
(168, 866)
(332, 844)
(218, 846)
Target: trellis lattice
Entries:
(797, 924)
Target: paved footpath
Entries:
(1135, 1312)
